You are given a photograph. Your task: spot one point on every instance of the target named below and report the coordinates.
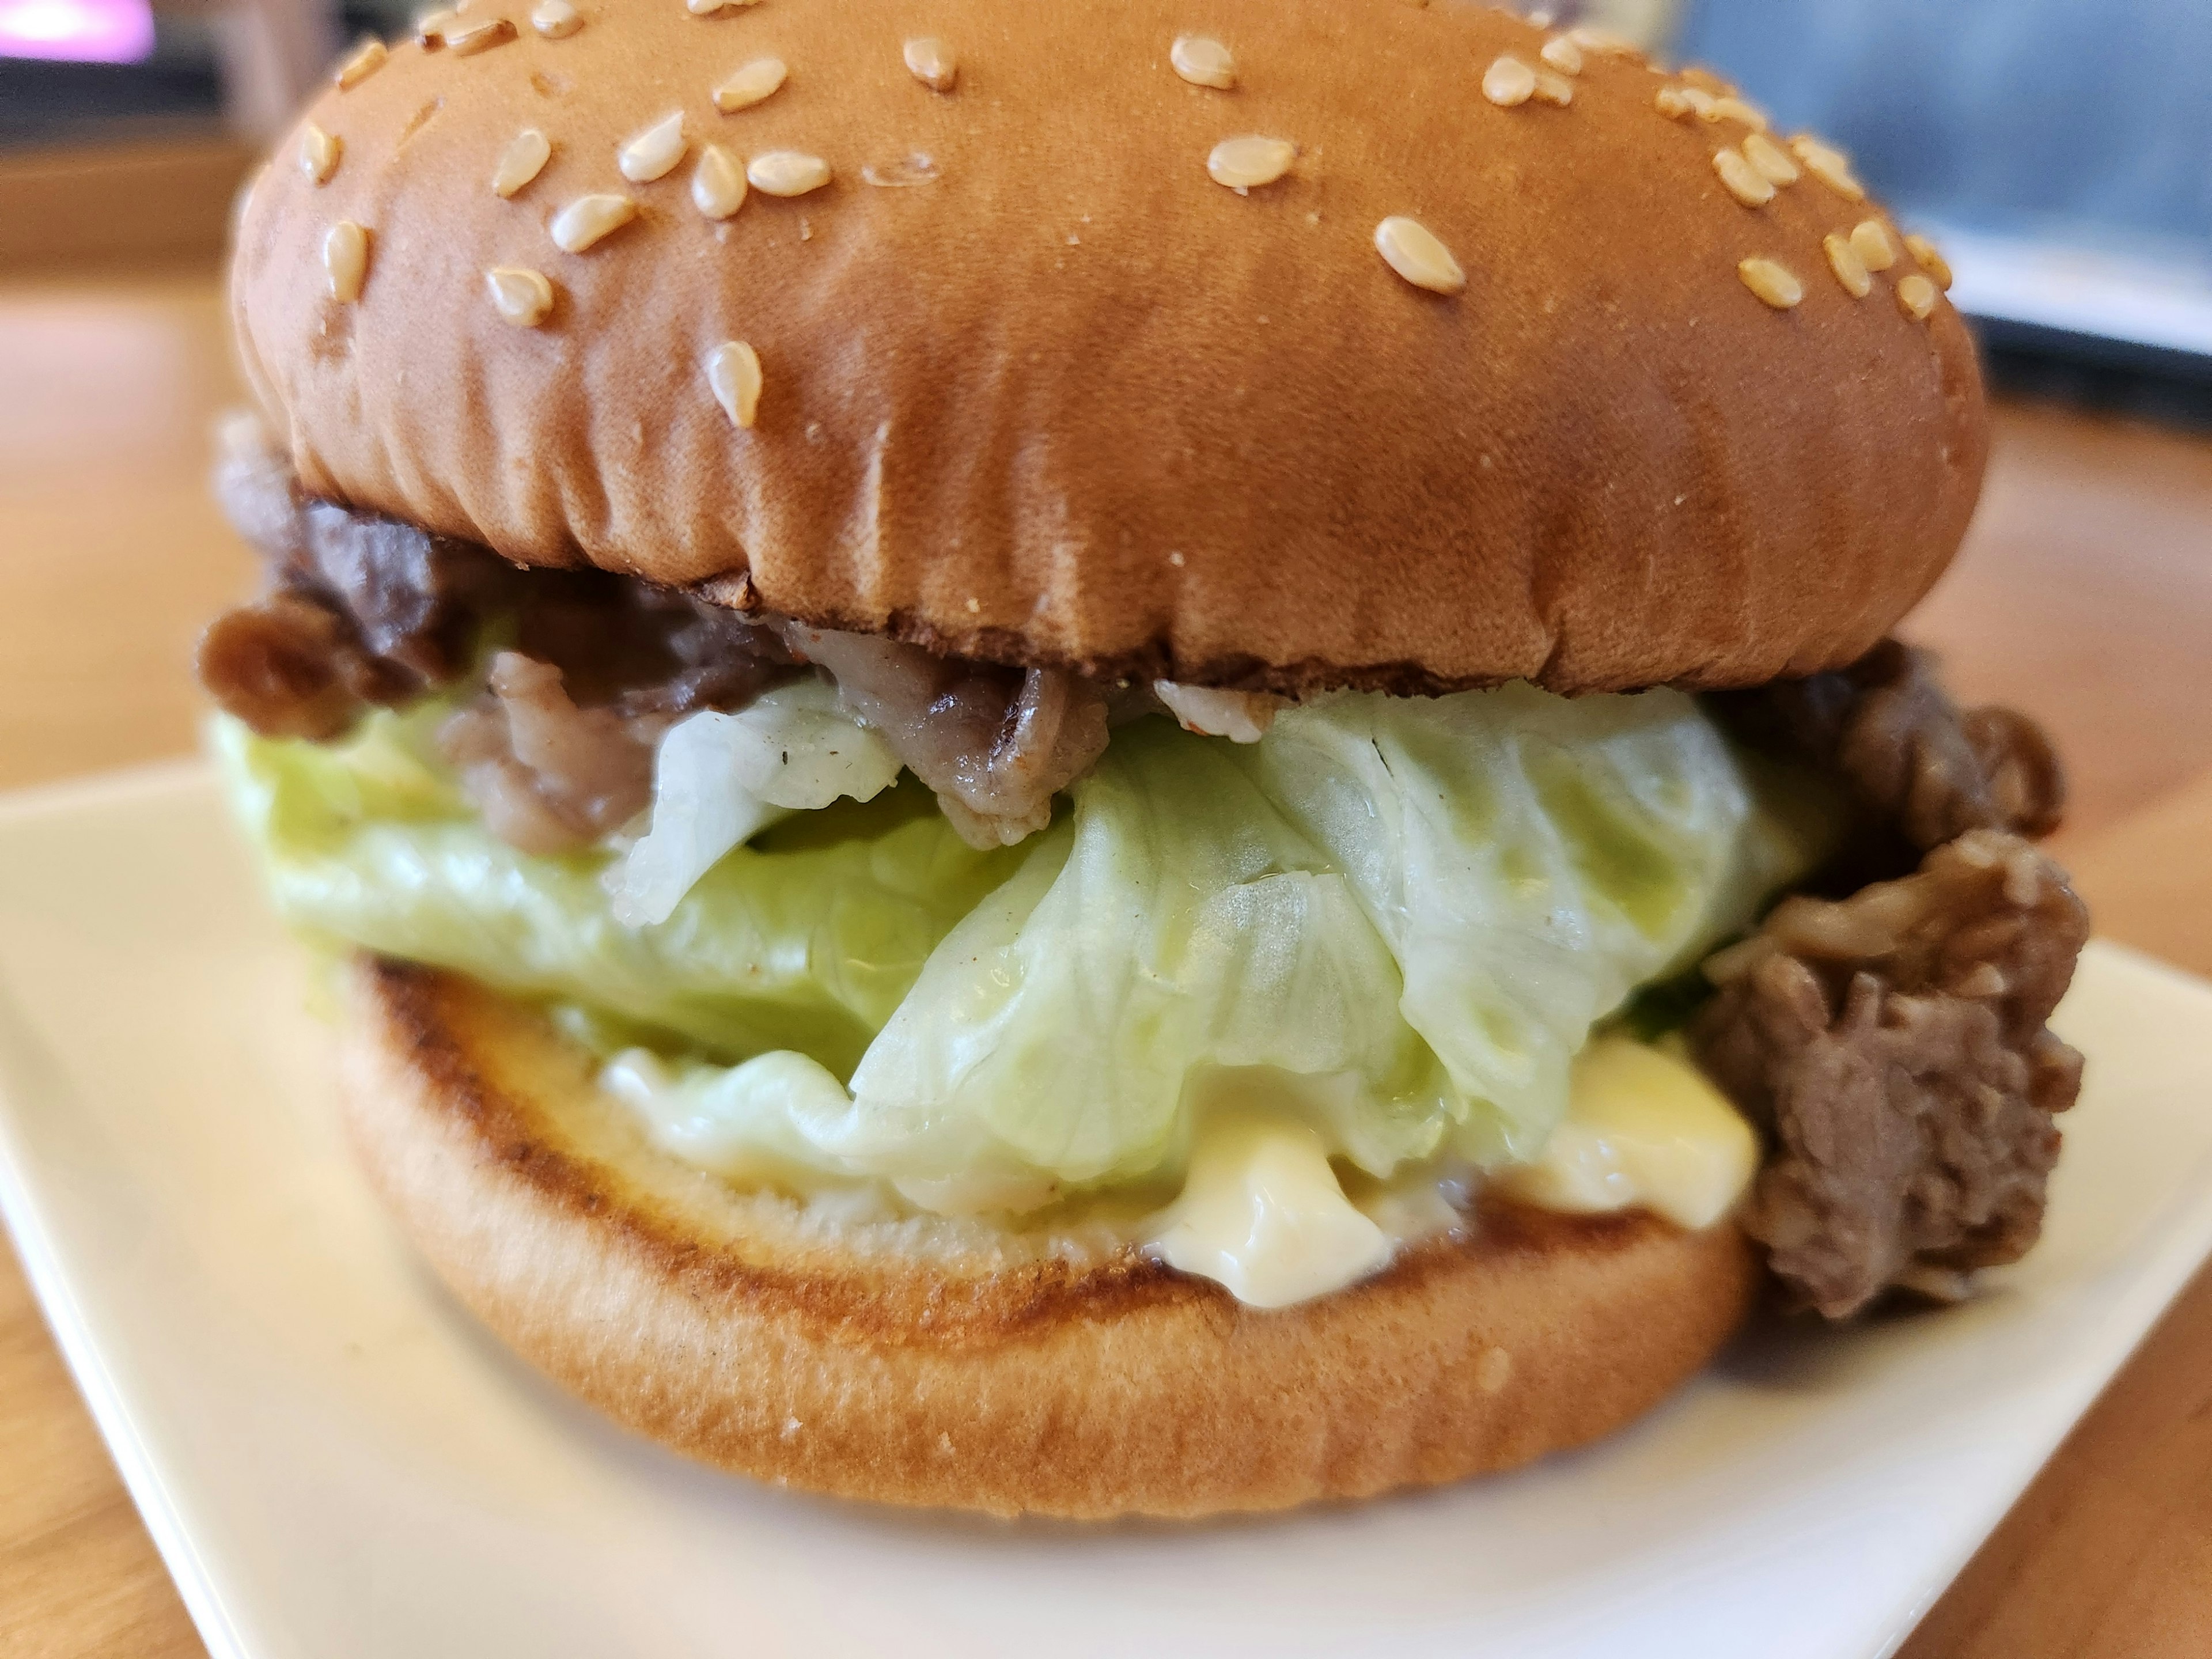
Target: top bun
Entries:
(1035, 388)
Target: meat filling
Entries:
(548, 777)
(409, 602)
(364, 610)
(1915, 764)
(1892, 1046)
(290, 665)
(995, 744)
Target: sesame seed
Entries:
(1734, 109)
(757, 80)
(1604, 42)
(1250, 160)
(1554, 89)
(1745, 182)
(1830, 167)
(708, 8)
(480, 37)
(1774, 283)
(1672, 102)
(1411, 249)
(319, 153)
(1916, 297)
(1563, 55)
(918, 168)
(1870, 241)
(1699, 102)
(1509, 82)
(1697, 76)
(1850, 270)
(1925, 256)
(524, 158)
(931, 61)
(556, 20)
(718, 183)
(786, 172)
(733, 373)
(345, 260)
(1203, 61)
(519, 294)
(974, 604)
(584, 221)
(653, 153)
(1176, 559)
(1770, 158)
(367, 58)
(432, 26)
(1494, 1370)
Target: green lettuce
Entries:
(1406, 914)
(807, 939)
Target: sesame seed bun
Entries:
(1026, 382)
(945, 1364)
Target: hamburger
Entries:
(1124, 759)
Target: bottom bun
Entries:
(929, 1362)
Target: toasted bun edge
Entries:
(955, 1375)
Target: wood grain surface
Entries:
(163, 197)
(2084, 595)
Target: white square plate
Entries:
(335, 1462)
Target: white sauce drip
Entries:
(1643, 1127)
(1262, 1212)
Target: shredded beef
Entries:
(1894, 1047)
(417, 599)
(995, 744)
(255, 487)
(1914, 761)
(2027, 784)
(407, 599)
(291, 666)
(646, 650)
(362, 609)
(548, 776)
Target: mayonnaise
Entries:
(1263, 1214)
(1642, 1127)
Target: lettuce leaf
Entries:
(718, 780)
(1406, 914)
(1530, 860)
(807, 941)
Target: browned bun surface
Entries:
(1057, 396)
(944, 1363)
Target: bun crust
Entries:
(949, 1365)
(1059, 398)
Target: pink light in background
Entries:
(77, 30)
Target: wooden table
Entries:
(2084, 596)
